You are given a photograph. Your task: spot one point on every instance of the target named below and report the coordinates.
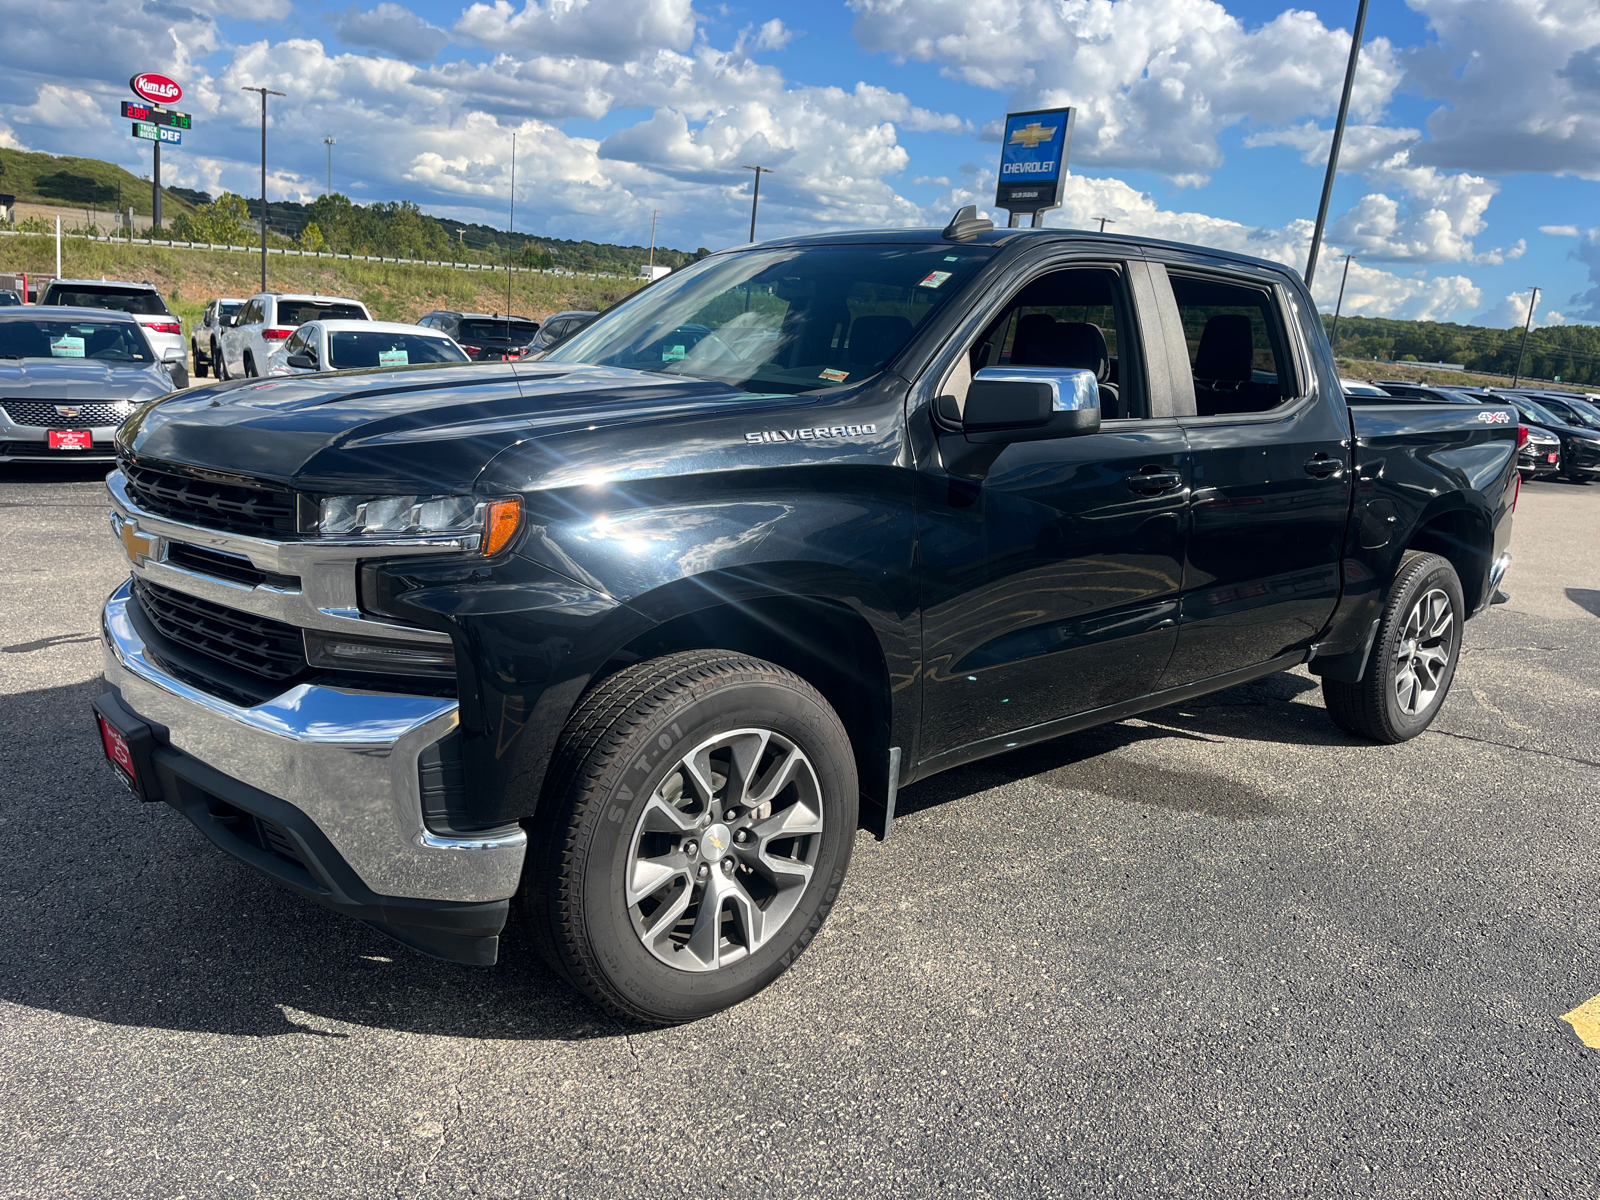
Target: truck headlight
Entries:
(486, 525)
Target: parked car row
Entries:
(1563, 428)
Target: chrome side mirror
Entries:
(1015, 404)
(174, 354)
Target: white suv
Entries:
(142, 300)
(267, 320)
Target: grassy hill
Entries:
(81, 183)
(392, 291)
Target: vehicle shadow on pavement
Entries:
(1585, 598)
(124, 913)
(1259, 711)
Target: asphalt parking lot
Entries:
(1224, 950)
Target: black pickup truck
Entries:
(640, 634)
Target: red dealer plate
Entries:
(1552, 457)
(118, 753)
(71, 439)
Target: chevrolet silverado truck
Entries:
(638, 635)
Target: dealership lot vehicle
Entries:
(205, 338)
(486, 337)
(348, 345)
(629, 631)
(1580, 446)
(559, 326)
(269, 319)
(1540, 456)
(69, 377)
(141, 300)
(9, 299)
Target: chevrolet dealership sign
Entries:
(1033, 160)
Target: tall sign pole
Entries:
(1033, 163)
(153, 122)
(1338, 138)
(755, 199)
(265, 92)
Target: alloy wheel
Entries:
(724, 849)
(1423, 651)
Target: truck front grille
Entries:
(232, 503)
(269, 651)
(86, 414)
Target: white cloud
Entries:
(62, 107)
(1154, 81)
(1512, 312)
(1570, 231)
(1588, 253)
(773, 35)
(606, 30)
(1520, 81)
(8, 138)
(390, 27)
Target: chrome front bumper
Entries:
(345, 758)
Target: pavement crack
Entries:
(1467, 737)
(627, 1039)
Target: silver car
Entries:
(347, 345)
(70, 376)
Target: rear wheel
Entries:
(1413, 659)
(218, 357)
(200, 363)
(250, 371)
(698, 825)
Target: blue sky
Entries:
(1470, 170)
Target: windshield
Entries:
(359, 348)
(102, 340)
(1572, 413)
(485, 330)
(228, 308)
(141, 302)
(1534, 412)
(793, 319)
(298, 312)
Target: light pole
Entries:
(265, 92)
(1104, 221)
(755, 196)
(1338, 137)
(330, 143)
(1333, 337)
(1517, 374)
(511, 233)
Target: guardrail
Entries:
(169, 244)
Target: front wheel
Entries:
(1413, 659)
(221, 360)
(697, 828)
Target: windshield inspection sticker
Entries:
(66, 347)
(393, 358)
(834, 376)
(936, 279)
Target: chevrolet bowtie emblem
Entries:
(1031, 134)
(67, 410)
(138, 546)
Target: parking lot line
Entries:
(1585, 1022)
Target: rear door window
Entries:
(1238, 350)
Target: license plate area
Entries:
(127, 743)
(71, 439)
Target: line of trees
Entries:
(1568, 352)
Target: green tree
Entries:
(223, 221)
(311, 238)
(536, 258)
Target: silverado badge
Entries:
(816, 434)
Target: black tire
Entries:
(624, 746)
(249, 365)
(222, 362)
(1374, 707)
(200, 364)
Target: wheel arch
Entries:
(1462, 535)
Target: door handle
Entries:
(1152, 481)
(1320, 465)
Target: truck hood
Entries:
(404, 429)
(80, 379)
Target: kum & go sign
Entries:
(157, 89)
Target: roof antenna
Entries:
(966, 224)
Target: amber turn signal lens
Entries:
(501, 520)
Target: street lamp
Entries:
(755, 196)
(265, 92)
(330, 143)
(1333, 337)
